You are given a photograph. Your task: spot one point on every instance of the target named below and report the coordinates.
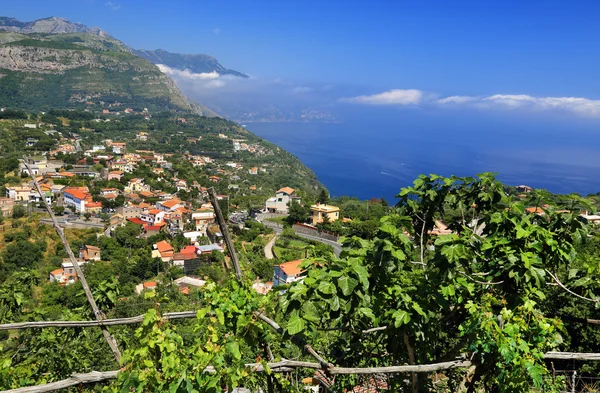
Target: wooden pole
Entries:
(88, 293)
(104, 322)
(225, 232)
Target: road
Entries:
(72, 224)
(337, 247)
(269, 247)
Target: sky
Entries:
(532, 55)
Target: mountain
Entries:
(52, 25)
(197, 63)
(53, 63)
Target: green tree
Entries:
(323, 197)
(296, 213)
(19, 211)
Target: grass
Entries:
(278, 220)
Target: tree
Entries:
(87, 215)
(58, 210)
(19, 211)
(296, 213)
(323, 197)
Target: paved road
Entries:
(337, 247)
(73, 224)
(269, 247)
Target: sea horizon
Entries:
(374, 154)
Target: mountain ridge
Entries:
(195, 63)
(50, 25)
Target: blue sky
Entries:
(473, 49)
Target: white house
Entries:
(279, 203)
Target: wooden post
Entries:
(225, 232)
(88, 293)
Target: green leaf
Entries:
(326, 287)
(234, 349)
(220, 316)
(400, 317)
(347, 285)
(295, 325)
(310, 312)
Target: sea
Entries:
(373, 153)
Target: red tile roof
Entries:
(136, 220)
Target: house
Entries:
(115, 175)
(116, 220)
(136, 185)
(118, 147)
(152, 216)
(89, 253)
(319, 211)
(66, 274)
(262, 287)
(151, 230)
(280, 202)
(97, 148)
(75, 198)
(181, 185)
(18, 193)
(131, 211)
(209, 248)
(83, 170)
(141, 136)
(170, 205)
(93, 207)
(6, 206)
(163, 250)
(214, 179)
(253, 171)
(203, 218)
(39, 165)
(193, 236)
(184, 283)
(183, 257)
(288, 272)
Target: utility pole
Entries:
(225, 232)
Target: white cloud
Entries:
(187, 74)
(391, 97)
(577, 105)
(112, 5)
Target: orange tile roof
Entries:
(79, 194)
(154, 211)
(57, 272)
(170, 203)
(292, 268)
(163, 246)
(150, 284)
(287, 190)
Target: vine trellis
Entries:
(283, 365)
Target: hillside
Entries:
(196, 63)
(41, 71)
(51, 25)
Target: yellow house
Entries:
(318, 211)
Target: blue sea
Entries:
(375, 152)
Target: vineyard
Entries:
(497, 304)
